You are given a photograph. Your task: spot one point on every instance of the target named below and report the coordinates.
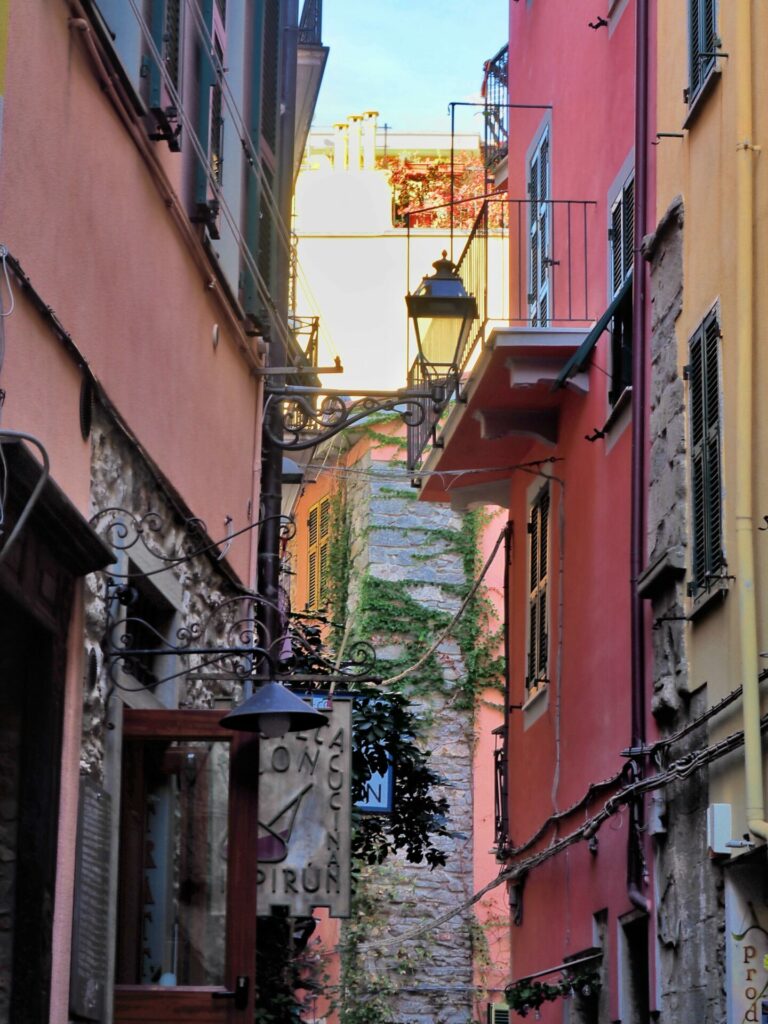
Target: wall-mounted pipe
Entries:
(744, 401)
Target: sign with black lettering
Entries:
(89, 926)
(303, 847)
(378, 793)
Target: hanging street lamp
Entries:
(442, 313)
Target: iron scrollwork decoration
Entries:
(308, 416)
(228, 643)
(124, 530)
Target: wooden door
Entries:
(186, 942)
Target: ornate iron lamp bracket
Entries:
(295, 420)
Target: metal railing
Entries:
(500, 794)
(547, 284)
(419, 434)
(496, 110)
(306, 331)
(311, 23)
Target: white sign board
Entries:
(303, 848)
(747, 944)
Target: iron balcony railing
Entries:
(496, 110)
(306, 331)
(501, 798)
(547, 282)
(311, 23)
(420, 434)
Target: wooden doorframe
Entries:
(182, 1003)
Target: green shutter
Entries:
(706, 485)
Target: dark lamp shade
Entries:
(272, 711)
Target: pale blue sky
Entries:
(407, 59)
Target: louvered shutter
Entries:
(498, 1014)
(628, 227)
(324, 549)
(538, 530)
(313, 577)
(538, 190)
(543, 580)
(706, 488)
(616, 247)
(702, 41)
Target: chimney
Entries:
(354, 141)
(340, 146)
(369, 139)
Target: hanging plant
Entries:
(526, 995)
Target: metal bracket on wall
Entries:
(307, 416)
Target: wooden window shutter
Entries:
(706, 486)
(701, 42)
(538, 529)
(628, 228)
(616, 260)
(313, 578)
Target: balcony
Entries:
(534, 312)
(496, 110)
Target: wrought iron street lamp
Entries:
(273, 711)
(442, 313)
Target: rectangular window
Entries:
(539, 260)
(538, 623)
(621, 236)
(318, 554)
(702, 42)
(706, 496)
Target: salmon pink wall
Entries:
(82, 214)
(571, 736)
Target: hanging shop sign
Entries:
(303, 847)
(747, 959)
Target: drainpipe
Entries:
(639, 434)
(745, 551)
(272, 458)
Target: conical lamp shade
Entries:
(274, 705)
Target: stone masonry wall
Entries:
(690, 911)
(121, 478)
(427, 980)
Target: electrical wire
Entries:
(683, 768)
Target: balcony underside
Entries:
(509, 404)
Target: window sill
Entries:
(621, 403)
(709, 599)
(699, 100)
(535, 698)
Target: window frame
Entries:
(708, 564)
(538, 576)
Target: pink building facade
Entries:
(145, 181)
(549, 429)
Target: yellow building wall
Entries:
(702, 168)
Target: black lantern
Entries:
(442, 315)
(273, 711)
